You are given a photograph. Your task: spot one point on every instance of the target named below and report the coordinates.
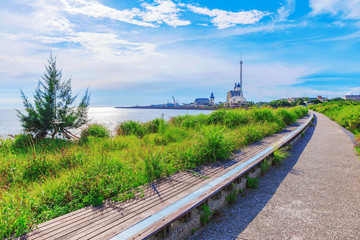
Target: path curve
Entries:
(315, 194)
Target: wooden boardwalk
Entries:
(113, 217)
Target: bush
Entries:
(206, 214)
(263, 115)
(195, 121)
(131, 128)
(155, 125)
(252, 182)
(280, 155)
(265, 165)
(286, 116)
(153, 165)
(217, 117)
(95, 130)
(23, 141)
(236, 118)
(214, 146)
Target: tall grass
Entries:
(346, 113)
(49, 178)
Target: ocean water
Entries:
(107, 116)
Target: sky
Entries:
(142, 52)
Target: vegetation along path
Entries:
(315, 194)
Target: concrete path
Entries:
(315, 194)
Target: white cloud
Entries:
(348, 9)
(107, 46)
(98, 10)
(163, 11)
(103, 46)
(286, 10)
(224, 19)
(41, 17)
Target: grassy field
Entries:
(345, 113)
(43, 180)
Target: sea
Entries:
(108, 116)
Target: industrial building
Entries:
(235, 97)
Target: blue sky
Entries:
(144, 52)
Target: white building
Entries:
(235, 97)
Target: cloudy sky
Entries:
(144, 52)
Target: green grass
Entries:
(346, 113)
(206, 214)
(265, 165)
(252, 182)
(46, 179)
(280, 154)
(95, 130)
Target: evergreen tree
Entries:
(53, 102)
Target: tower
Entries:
(212, 99)
(241, 62)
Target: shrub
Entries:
(263, 115)
(214, 146)
(265, 165)
(252, 182)
(194, 121)
(95, 130)
(206, 214)
(217, 117)
(231, 198)
(23, 141)
(286, 116)
(155, 125)
(153, 165)
(131, 128)
(280, 155)
(236, 118)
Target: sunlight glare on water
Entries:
(107, 116)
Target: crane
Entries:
(175, 104)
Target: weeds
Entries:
(265, 165)
(131, 128)
(280, 155)
(154, 165)
(231, 198)
(95, 130)
(206, 214)
(252, 182)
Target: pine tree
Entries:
(53, 102)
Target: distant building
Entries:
(352, 97)
(235, 97)
(205, 101)
(212, 99)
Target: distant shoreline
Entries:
(170, 107)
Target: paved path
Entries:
(315, 194)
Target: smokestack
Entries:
(241, 86)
